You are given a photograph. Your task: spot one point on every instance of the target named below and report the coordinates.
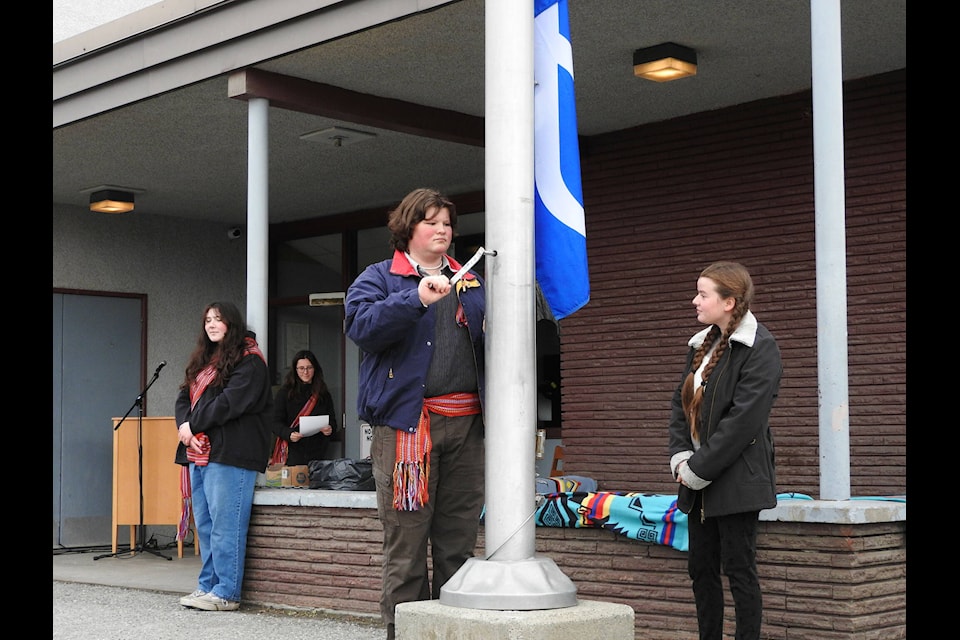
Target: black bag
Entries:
(342, 474)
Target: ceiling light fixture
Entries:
(111, 201)
(665, 62)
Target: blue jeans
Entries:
(222, 500)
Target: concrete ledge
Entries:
(854, 511)
(587, 619)
(298, 497)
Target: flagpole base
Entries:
(509, 585)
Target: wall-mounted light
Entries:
(665, 62)
(111, 201)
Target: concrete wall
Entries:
(181, 265)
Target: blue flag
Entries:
(559, 227)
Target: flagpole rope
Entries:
(537, 502)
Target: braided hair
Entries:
(732, 280)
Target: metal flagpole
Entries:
(510, 576)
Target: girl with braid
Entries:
(721, 447)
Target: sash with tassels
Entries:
(207, 375)
(282, 447)
(411, 472)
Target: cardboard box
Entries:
(278, 475)
(297, 476)
(273, 475)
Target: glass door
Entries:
(303, 267)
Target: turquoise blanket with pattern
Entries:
(647, 517)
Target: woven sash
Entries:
(187, 502)
(411, 472)
(281, 448)
(207, 375)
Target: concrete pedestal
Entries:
(430, 620)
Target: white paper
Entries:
(311, 425)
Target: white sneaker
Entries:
(210, 602)
(187, 601)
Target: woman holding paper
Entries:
(303, 393)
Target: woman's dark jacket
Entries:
(736, 445)
(286, 408)
(236, 417)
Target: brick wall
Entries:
(316, 557)
(664, 200)
(820, 581)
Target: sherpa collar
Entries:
(746, 333)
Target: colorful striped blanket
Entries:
(646, 517)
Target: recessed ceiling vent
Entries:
(337, 136)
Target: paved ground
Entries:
(137, 598)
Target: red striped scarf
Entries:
(282, 447)
(207, 375)
(186, 495)
(411, 472)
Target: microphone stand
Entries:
(141, 545)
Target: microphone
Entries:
(160, 366)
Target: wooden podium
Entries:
(162, 502)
